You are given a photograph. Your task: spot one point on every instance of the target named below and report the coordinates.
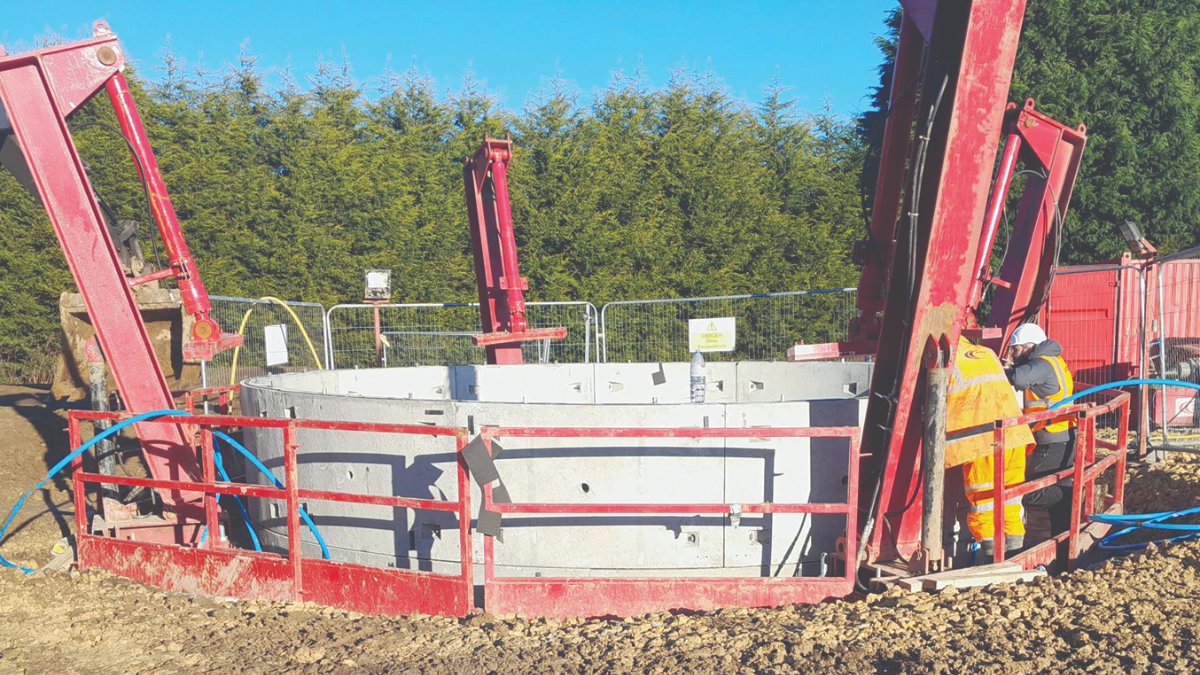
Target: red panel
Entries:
(268, 577)
(630, 597)
(189, 570)
(373, 590)
(1082, 316)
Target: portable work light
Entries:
(378, 286)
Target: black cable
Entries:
(914, 209)
(1059, 227)
(862, 176)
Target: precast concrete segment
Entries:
(579, 470)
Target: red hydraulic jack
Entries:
(39, 90)
(497, 274)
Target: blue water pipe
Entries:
(1126, 383)
(114, 429)
(312, 527)
(219, 464)
(1133, 522)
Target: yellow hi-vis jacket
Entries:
(979, 394)
(1066, 387)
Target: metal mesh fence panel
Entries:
(439, 334)
(229, 312)
(1095, 314)
(767, 324)
(1174, 345)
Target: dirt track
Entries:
(1136, 614)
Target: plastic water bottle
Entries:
(699, 377)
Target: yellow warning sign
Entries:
(712, 335)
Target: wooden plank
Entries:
(1023, 576)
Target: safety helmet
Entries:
(1027, 333)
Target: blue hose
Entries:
(1126, 383)
(1133, 522)
(114, 429)
(220, 466)
(4, 562)
(312, 527)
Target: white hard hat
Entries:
(1027, 334)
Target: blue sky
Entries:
(822, 50)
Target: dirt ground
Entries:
(1137, 614)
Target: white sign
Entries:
(275, 339)
(712, 335)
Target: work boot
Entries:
(987, 549)
(1013, 543)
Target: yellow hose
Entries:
(242, 329)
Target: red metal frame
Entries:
(875, 254)
(38, 92)
(1055, 150)
(212, 570)
(603, 596)
(223, 395)
(971, 50)
(494, 244)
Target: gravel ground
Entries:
(1135, 614)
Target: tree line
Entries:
(642, 192)
(632, 192)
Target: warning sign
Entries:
(712, 335)
(275, 339)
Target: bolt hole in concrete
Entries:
(350, 474)
(585, 487)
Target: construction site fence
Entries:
(1136, 319)
(441, 334)
(209, 563)
(638, 331)
(1115, 321)
(369, 335)
(303, 337)
(1172, 345)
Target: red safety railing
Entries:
(1085, 471)
(212, 569)
(595, 596)
(220, 397)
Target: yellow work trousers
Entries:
(978, 480)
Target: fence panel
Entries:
(1174, 344)
(439, 334)
(1095, 312)
(230, 312)
(767, 324)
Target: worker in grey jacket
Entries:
(1041, 374)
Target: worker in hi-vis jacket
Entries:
(978, 395)
(1041, 374)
